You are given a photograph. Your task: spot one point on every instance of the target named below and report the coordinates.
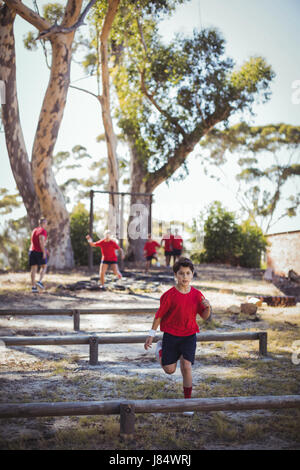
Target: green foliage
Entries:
(225, 241)
(253, 244)
(222, 239)
(14, 242)
(265, 156)
(79, 226)
(8, 202)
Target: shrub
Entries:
(79, 228)
(225, 241)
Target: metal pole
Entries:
(150, 215)
(91, 229)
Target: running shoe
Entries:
(40, 284)
(158, 348)
(34, 289)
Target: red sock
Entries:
(160, 353)
(187, 392)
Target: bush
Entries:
(253, 245)
(79, 228)
(227, 242)
(222, 236)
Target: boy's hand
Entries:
(148, 342)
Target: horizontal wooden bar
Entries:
(28, 410)
(119, 339)
(102, 311)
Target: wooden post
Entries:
(94, 342)
(263, 343)
(76, 320)
(127, 418)
(90, 249)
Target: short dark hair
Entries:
(184, 262)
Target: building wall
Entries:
(283, 252)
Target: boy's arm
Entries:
(42, 241)
(149, 339)
(90, 241)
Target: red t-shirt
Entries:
(150, 247)
(35, 242)
(108, 249)
(177, 242)
(178, 311)
(167, 240)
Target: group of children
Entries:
(179, 305)
(173, 245)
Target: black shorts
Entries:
(175, 346)
(168, 253)
(149, 258)
(36, 258)
(176, 252)
(109, 262)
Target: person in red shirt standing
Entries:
(177, 245)
(38, 254)
(109, 258)
(150, 251)
(167, 242)
(176, 317)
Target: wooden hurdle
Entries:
(75, 313)
(128, 408)
(94, 340)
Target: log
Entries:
(102, 311)
(119, 339)
(28, 410)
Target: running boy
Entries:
(150, 251)
(38, 254)
(177, 319)
(109, 258)
(167, 242)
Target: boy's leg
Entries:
(186, 371)
(167, 351)
(33, 271)
(116, 271)
(102, 271)
(43, 270)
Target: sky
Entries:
(268, 28)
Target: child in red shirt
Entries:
(150, 251)
(38, 254)
(167, 241)
(109, 258)
(177, 319)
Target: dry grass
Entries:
(243, 373)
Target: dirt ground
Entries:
(63, 373)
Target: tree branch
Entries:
(57, 29)
(158, 107)
(85, 91)
(27, 14)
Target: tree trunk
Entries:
(111, 141)
(51, 199)
(138, 223)
(15, 143)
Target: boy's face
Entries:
(184, 276)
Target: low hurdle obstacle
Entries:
(127, 408)
(75, 313)
(95, 340)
